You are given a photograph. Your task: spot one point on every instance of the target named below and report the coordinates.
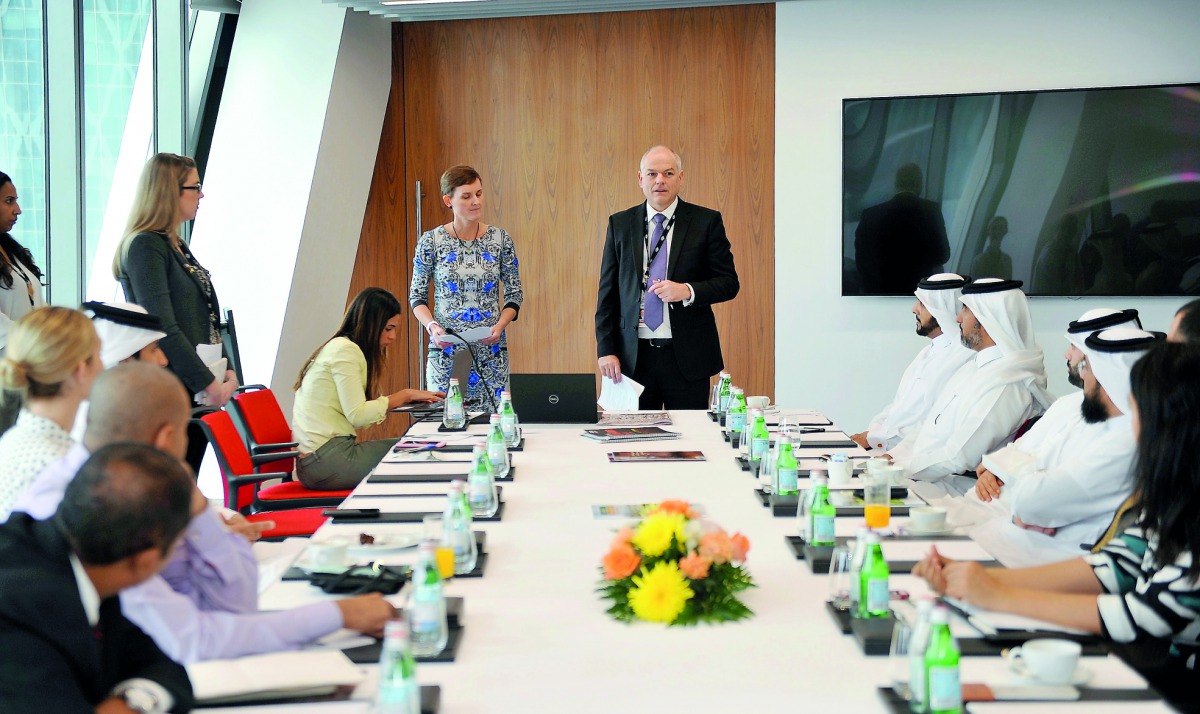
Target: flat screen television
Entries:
(1074, 192)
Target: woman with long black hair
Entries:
(20, 287)
(334, 395)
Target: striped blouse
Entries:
(1142, 600)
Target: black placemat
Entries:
(468, 448)
(873, 635)
(426, 478)
(841, 618)
(410, 517)
(896, 703)
(369, 654)
(786, 507)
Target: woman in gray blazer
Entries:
(158, 271)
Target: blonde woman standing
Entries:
(53, 356)
(158, 271)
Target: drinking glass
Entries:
(877, 500)
(898, 661)
(839, 576)
(433, 530)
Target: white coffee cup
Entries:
(839, 472)
(927, 518)
(757, 402)
(329, 554)
(1049, 661)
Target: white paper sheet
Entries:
(918, 549)
(619, 396)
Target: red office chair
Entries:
(268, 437)
(237, 470)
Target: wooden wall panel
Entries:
(555, 112)
(384, 256)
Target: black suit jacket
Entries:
(898, 243)
(155, 276)
(700, 255)
(53, 660)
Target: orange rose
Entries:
(741, 547)
(694, 566)
(716, 546)
(621, 562)
(622, 537)
(682, 507)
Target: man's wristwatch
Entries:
(141, 700)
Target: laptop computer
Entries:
(554, 398)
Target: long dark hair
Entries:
(1166, 387)
(363, 325)
(14, 250)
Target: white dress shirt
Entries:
(921, 383)
(664, 330)
(978, 410)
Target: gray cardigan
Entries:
(155, 276)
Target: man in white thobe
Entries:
(987, 400)
(936, 311)
(1070, 472)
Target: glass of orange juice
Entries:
(432, 531)
(877, 501)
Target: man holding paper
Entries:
(665, 263)
(68, 646)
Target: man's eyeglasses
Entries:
(195, 188)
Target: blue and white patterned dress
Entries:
(467, 277)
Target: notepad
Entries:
(271, 676)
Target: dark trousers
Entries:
(666, 388)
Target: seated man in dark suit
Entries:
(67, 646)
(902, 240)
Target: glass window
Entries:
(118, 126)
(23, 118)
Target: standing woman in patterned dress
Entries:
(470, 264)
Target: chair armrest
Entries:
(266, 448)
(249, 388)
(260, 459)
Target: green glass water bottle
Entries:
(823, 514)
(873, 580)
(943, 688)
(787, 482)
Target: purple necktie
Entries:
(658, 271)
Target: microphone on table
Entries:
(475, 363)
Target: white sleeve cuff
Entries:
(691, 298)
(164, 698)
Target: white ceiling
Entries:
(418, 10)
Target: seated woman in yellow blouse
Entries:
(332, 396)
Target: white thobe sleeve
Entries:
(1092, 481)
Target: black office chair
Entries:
(228, 332)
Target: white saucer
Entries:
(383, 544)
(917, 532)
(1082, 676)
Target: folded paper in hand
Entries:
(619, 396)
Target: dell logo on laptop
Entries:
(554, 399)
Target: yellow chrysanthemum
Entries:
(653, 535)
(660, 594)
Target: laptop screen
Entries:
(554, 398)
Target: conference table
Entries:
(536, 637)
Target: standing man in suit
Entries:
(665, 263)
(67, 645)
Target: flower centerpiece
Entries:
(675, 568)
